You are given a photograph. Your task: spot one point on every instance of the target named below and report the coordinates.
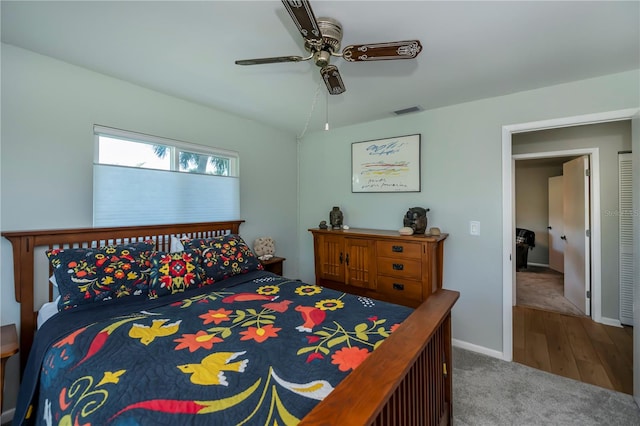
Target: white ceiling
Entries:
(471, 50)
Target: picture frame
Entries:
(386, 165)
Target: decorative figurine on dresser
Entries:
(416, 219)
(335, 218)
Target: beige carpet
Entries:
(540, 287)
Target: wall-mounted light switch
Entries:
(474, 227)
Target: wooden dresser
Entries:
(379, 264)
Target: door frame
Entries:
(508, 211)
(595, 259)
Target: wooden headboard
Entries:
(24, 244)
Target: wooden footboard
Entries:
(406, 381)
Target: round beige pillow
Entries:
(264, 246)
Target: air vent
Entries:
(407, 110)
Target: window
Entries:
(192, 162)
(122, 148)
(145, 180)
(120, 152)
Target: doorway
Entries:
(508, 270)
(630, 116)
(552, 208)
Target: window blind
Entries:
(128, 196)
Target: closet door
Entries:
(625, 218)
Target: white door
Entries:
(556, 224)
(577, 277)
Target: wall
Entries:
(532, 203)
(609, 138)
(48, 112)
(461, 181)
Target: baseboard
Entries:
(7, 416)
(479, 349)
(611, 322)
(541, 265)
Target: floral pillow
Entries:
(175, 272)
(224, 256)
(88, 275)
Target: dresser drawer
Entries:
(403, 268)
(399, 249)
(408, 289)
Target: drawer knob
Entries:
(397, 286)
(397, 249)
(398, 266)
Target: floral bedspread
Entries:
(261, 349)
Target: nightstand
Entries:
(273, 265)
(8, 347)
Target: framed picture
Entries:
(386, 165)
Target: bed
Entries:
(77, 363)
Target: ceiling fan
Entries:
(322, 38)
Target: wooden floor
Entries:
(574, 347)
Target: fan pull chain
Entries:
(326, 123)
(313, 106)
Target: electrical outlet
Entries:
(474, 227)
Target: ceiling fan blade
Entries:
(305, 20)
(332, 79)
(275, 60)
(407, 49)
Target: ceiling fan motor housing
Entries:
(331, 31)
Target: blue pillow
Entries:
(88, 275)
(224, 256)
